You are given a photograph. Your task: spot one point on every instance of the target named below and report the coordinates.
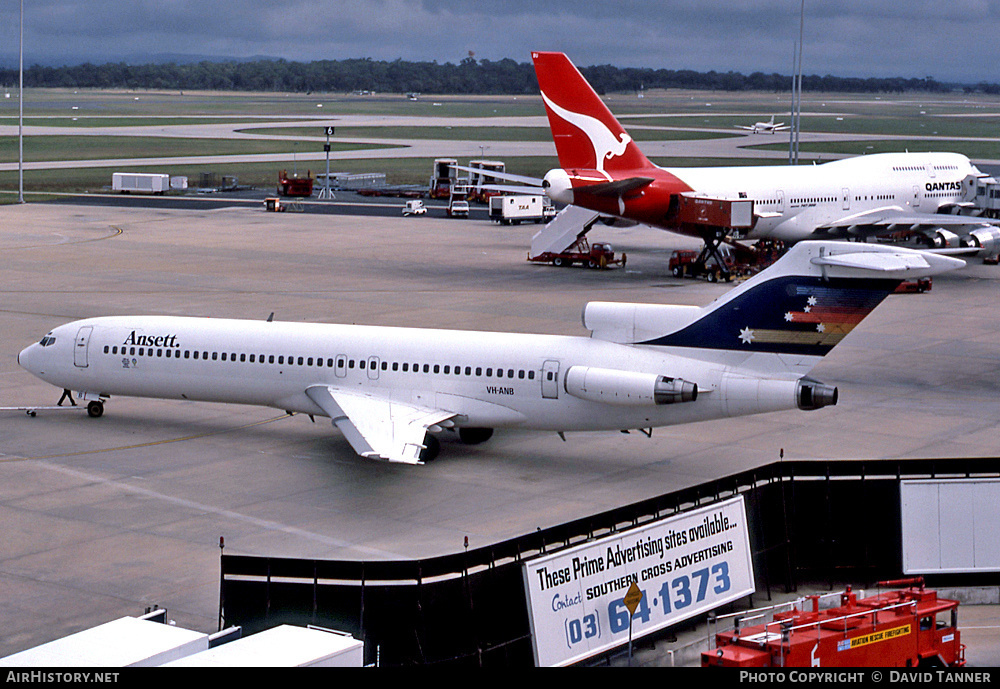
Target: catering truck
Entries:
(513, 210)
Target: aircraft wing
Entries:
(891, 218)
(377, 427)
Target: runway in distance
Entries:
(602, 169)
(390, 390)
(769, 127)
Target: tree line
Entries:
(470, 76)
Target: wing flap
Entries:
(377, 427)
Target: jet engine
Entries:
(941, 239)
(744, 395)
(812, 394)
(985, 238)
(628, 388)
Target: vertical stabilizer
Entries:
(808, 301)
(586, 134)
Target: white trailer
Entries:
(140, 182)
(282, 646)
(125, 642)
(512, 210)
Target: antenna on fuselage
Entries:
(271, 317)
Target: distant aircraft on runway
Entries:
(390, 390)
(922, 195)
(769, 127)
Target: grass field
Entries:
(960, 123)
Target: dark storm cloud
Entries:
(952, 40)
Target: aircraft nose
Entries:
(558, 186)
(24, 357)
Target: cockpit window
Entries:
(47, 340)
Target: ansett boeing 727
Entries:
(390, 390)
(928, 195)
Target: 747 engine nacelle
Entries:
(628, 388)
(987, 239)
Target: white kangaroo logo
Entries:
(606, 146)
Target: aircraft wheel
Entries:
(95, 409)
(431, 449)
(474, 436)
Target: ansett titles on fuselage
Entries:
(943, 186)
(135, 338)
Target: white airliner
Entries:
(389, 390)
(769, 127)
(929, 196)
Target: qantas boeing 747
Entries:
(927, 195)
(390, 390)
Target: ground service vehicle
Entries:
(147, 183)
(295, 185)
(443, 178)
(906, 627)
(458, 209)
(415, 207)
(596, 255)
(513, 210)
(690, 263)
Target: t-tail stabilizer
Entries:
(769, 332)
(804, 304)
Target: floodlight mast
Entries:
(798, 113)
(20, 112)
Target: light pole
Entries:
(20, 113)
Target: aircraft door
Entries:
(550, 380)
(916, 197)
(846, 197)
(340, 367)
(780, 196)
(81, 345)
(373, 368)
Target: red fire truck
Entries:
(905, 627)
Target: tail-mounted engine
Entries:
(812, 394)
(627, 388)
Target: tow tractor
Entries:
(909, 626)
(596, 255)
(94, 406)
(691, 263)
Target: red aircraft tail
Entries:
(586, 134)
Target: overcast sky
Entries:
(952, 40)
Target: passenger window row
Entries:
(340, 363)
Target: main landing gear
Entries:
(469, 436)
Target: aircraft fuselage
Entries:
(489, 379)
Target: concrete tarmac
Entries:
(105, 517)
